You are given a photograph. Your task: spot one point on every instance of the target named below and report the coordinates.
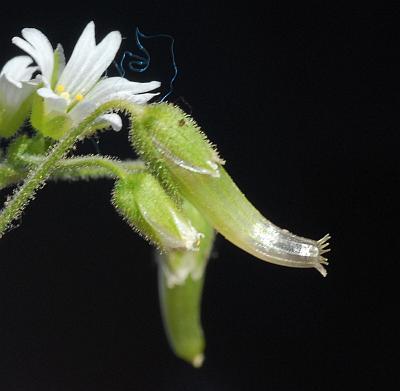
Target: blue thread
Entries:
(140, 64)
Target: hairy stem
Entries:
(38, 176)
(90, 167)
(73, 169)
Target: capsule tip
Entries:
(323, 246)
(198, 360)
(321, 269)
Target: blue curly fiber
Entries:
(140, 63)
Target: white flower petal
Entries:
(142, 98)
(52, 101)
(110, 120)
(14, 88)
(83, 109)
(118, 84)
(80, 58)
(97, 63)
(27, 75)
(39, 48)
(16, 67)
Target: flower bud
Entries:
(141, 200)
(180, 281)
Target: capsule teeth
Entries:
(323, 260)
(324, 240)
(325, 250)
(198, 360)
(321, 269)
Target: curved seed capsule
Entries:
(229, 211)
(181, 156)
(180, 282)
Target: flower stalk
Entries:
(37, 177)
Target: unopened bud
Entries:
(141, 200)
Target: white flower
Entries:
(71, 92)
(16, 87)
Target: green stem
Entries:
(73, 169)
(88, 167)
(38, 176)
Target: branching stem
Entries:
(37, 176)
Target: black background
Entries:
(302, 103)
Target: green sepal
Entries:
(163, 132)
(59, 63)
(142, 201)
(53, 125)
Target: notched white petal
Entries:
(80, 58)
(112, 85)
(82, 110)
(39, 48)
(16, 68)
(94, 64)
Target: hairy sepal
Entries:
(142, 201)
(163, 132)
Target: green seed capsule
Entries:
(185, 160)
(180, 307)
(180, 280)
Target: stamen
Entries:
(79, 97)
(60, 88)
